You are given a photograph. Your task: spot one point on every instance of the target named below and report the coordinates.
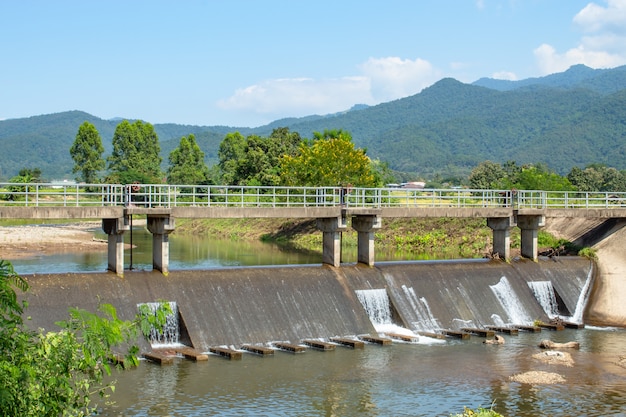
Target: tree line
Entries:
(284, 158)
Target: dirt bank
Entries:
(24, 241)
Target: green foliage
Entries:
(492, 175)
(479, 412)
(330, 159)
(87, 153)
(588, 253)
(255, 160)
(597, 177)
(136, 150)
(58, 373)
(187, 163)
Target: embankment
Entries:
(258, 305)
(606, 305)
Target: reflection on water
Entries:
(399, 380)
(187, 252)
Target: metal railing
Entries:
(168, 196)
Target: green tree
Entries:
(231, 152)
(597, 177)
(186, 163)
(57, 373)
(136, 154)
(487, 175)
(539, 177)
(86, 151)
(330, 159)
(255, 160)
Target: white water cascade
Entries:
(510, 302)
(544, 293)
(170, 333)
(426, 320)
(376, 303)
(582, 299)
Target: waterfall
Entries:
(544, 293)
(169, 334)
(376, 303)
(510, 302)
(426, 320)
(582, 299)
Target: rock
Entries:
(548, 344)
(555, 357)
(538, 377)
(497, 340)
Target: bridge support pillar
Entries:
(501, 227)
(529, 226)
(160, 227)
(115, 228)
(365, 226)
(331, 228)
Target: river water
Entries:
(427, 378)
(399, 380)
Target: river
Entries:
(428, 378)
(398, 380)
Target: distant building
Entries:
(414, 184)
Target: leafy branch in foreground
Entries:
(58, 373)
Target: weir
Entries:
(236, 306)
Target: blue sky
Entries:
(246, 63)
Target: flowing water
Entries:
(403, 379)
(427, 378)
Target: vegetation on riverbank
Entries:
(437, 238)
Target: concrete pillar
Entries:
(160, 227)
(529, 226)
(115, 228)
(501, 227)
(331, 239)
(365, 226)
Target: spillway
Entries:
(235, 306)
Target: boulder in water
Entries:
(549, 344)
(497, 340)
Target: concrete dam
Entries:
(260, 305)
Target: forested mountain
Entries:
(568, 119)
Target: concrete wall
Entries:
(258, 305)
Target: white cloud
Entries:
(380, 80)
(603, 46)
(504, 75)
(393, 77)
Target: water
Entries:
(510, 302)
(186, 252)
(399, 380)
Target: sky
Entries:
(245, 63)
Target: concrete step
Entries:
(226, 352)
(353, 343)
(319, 345)
(383, 341)
(259, 350)
(501, 329)
(290, 347)
(479, 332)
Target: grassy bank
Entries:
(441, 238)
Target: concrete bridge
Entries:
(332, 207)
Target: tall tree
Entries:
(330, 159)
(186, 163)
(231, 152)
(86, 151)
(136, 154)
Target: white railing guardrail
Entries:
(167, 196)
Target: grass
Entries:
(438, 238)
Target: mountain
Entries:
(564, 120)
